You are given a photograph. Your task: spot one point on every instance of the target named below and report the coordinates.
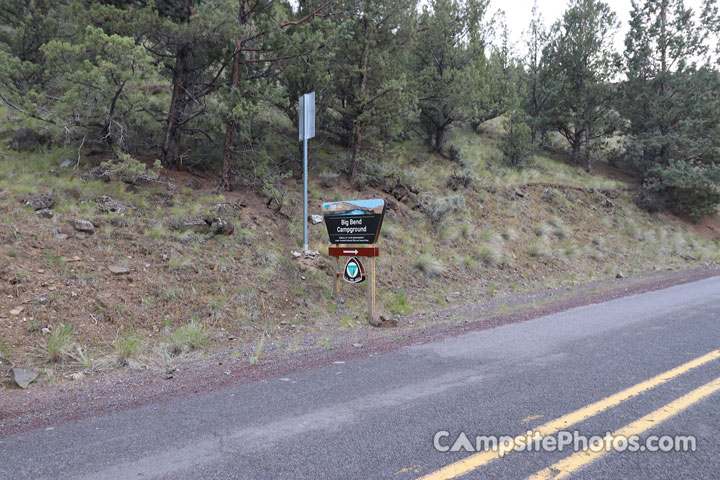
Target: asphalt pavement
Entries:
(647, 364)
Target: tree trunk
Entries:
(588, 166)
(230, 125)
(576, 143)
(171, 144)
(178, 102)
(439, 139)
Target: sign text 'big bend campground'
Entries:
(354, 221)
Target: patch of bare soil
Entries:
(707, 227)
(607, 170)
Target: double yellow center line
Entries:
(579, 459)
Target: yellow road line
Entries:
(602, 447)
(479, 459)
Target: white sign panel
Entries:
(307, 116)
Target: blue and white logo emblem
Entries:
(353, 271)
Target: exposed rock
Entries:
(401, 190)
(119, 222)
(307, 261)
(40, 201)
(388, 322)
(194, 184)
(204, 225)
(16, 311)
(406, 194)
(456, 182)
(77, 376)
(28, 140)
(391, 204)
(315, 219)
(221, 227)
(550, 194)
(193, 224)
(84, 226)
(23, 377)
(108, 205)
(520, 193)
(45, 213)
(620, 275)
(118, 269)
(381, 321)
(67, 163)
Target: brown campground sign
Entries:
(352, 223)
(355, 221)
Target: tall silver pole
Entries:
(305, 193)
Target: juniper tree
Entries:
(583, 63)
(449, 65)
(371, 96)
(670, 100)
(539, 84)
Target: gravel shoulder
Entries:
(66, 401)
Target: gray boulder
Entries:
(84, 226)
(23, 377)
(40, 201)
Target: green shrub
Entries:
(516, 143)
(693, 188)
(437, 209)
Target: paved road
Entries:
(647, 365)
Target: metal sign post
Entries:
(306, 127)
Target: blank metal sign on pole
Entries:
(306, 131)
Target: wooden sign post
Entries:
(355, 222)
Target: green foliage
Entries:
(191, 336)
(438, 208)
(399, 303)
(582, 65)
(694, 188)
(516, 142)
(128, 345)
(539, 87)
(370, 96)
(127, 168)
(449, 62)
(672, 104)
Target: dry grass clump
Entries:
(428, 265)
